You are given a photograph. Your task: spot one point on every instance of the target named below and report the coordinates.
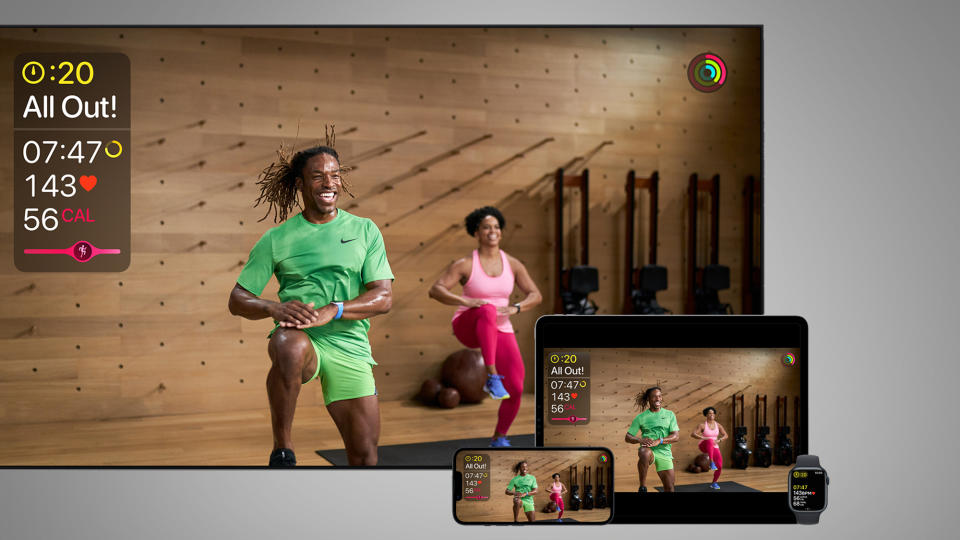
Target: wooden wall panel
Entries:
(210, 108)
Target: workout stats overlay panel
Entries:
(476, 477)
(567, 380)
(71, 135)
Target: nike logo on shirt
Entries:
(342, 241)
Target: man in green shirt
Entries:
(333, 273)
(522, 487)
(654, 430)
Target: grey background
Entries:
(861, 140)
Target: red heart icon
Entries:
(88, 182)
(574, 395)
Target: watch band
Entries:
(807, 460)
(807, 518)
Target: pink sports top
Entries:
(711, 433)
(556, 488)
(495, 290)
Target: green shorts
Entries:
(661, 462)
(341, 377)
(527, 504)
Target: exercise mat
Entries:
(425, 454)
(725, 487)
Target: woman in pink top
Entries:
(483, 313)
(710, 434)
(557, 489)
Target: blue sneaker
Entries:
(713, 466)
(499, 442)
(495, 388)
(715, 485)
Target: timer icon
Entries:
(33, 72)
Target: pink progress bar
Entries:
(571, 419)
(82, 251)
(476, 497)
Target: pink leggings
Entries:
(555, 497)
(477, 327)
(708, 447)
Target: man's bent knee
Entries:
(289, 349)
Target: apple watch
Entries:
(807, 488)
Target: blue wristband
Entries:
(339, 310)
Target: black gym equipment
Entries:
(784, 453)
(796, 422)
(601, 489)
(588, 495)
(763, 455)
(704, 283)
(575, 283)
(752, 284)
(575, 500)
(640, 285)
(741, 454)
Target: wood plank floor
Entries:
(236, 438)
(502, 512)
(244, 438)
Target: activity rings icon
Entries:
(707, 72)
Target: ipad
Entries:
(704, 414)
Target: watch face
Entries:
(808, 490)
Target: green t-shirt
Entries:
(523, 484)
(321, 264)
(654, 425)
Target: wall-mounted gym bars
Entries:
(763, 453)
(741, 452)
(590, 155)
(704, 283)
(519, 155)
(421, 167)
(458, 226)
(640, 285)
(572, 285)
(752, 284)
(784, 451)
(383, 148)
(796, 424)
